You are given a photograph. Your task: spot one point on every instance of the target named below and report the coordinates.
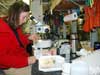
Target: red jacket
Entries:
(11, 54)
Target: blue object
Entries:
(96, 45)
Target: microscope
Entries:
(42, 45)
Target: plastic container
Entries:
(51, 63)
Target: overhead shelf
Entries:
(66, 4)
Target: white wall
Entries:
(36, 8)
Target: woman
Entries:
(14, 58)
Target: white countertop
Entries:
(93, 61)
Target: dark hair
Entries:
(14, 12)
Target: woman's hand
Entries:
(34, 37)
(31, 60)
(53, 51)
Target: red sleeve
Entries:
(10, 56)
(24, 37)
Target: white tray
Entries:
(58, 61)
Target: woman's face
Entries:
(23, 17)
